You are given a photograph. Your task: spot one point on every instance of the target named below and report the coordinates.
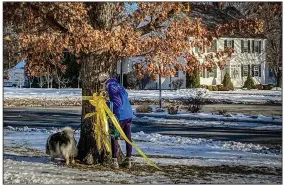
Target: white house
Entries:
(249, 55)
(15, 77)
(249, 58)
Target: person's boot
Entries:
(128, 162)
(115, 163)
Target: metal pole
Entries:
(170, 82)
(121, 74)
(160, 94)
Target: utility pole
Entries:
(121, 74)
(160, 89)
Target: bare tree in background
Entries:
(41, 81)
(58, 77)
(49, 77)
(79, 78)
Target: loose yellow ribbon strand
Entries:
(99, 103)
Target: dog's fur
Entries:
(62, 144)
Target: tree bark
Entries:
(92, 65)
(87, 144)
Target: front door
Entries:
(236, 75)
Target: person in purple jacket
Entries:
(123, 112)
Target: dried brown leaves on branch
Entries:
(162, 32)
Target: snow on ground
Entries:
(25, 161)
(28, 170)
(236, 96)
(75, 94)
(35, 170)
(240, 125)
(213, 119)
(194, 151)
(172, 150)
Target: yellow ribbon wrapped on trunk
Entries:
(102, 127)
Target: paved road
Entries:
(71, 116)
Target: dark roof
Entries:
(211, 16)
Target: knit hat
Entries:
(103, 77)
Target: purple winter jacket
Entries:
(118, 95)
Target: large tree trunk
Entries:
(91, 68)
(92, 65)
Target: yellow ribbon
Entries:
(98, 101)
(101, 126)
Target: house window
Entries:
(245, 70)
(256, 70)
(255, 46)
(207, 74)
(245, 46)
(213, 47)
(212, 73)
(229, 43)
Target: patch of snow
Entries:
(27, 170)
(232, 117)
(276, 89)
(203, 123)
(35, 170)
(199, 150)
(186, 141)
(76, 94)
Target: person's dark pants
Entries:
(126, 127)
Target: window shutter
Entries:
(233, 44)
(252, 46)
(215, 72)
(225, 43)
(259, 46)
(259, 70)
(252, 70)
(242, 46)
(207, 73)
(204, 76)
(215, 46)
(249, 73)
(249, 46)
(242, 70)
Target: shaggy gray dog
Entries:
(62, 144)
